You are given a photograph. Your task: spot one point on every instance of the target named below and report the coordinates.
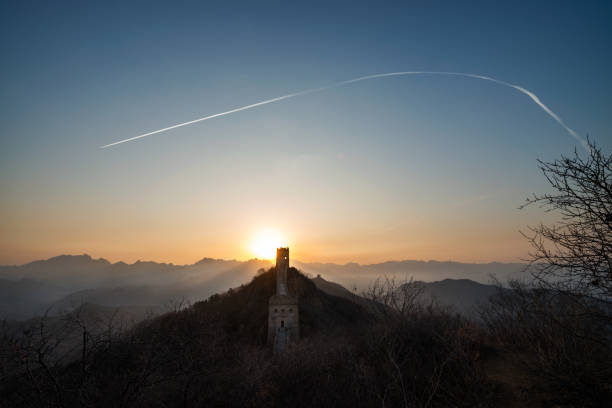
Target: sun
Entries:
(264, 244)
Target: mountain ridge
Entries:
(206, 259)
(67, 275)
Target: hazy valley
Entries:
(62, 283)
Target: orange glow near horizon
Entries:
(223, 229)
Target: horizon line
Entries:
(260, 259)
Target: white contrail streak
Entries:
(530, 94)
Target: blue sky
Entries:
(391, 168)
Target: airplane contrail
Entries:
(530, 94)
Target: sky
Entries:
(415, 167)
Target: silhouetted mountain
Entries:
(78, 269)
(353, 275)
(72, 280)
(463, 295)
(241, 313)
(335, 289)
(81, 271)
(244, 310)
(144, 296)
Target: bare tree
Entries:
(389, 296)
(575, 254)
(558, 328)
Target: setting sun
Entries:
(264, 244)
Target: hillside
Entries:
(334, 289)
(462, 295)
(244, 310)
(214, 353)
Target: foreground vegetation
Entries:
(214, 353)
(395, 352)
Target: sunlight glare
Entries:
(264, 244)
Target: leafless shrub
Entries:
(426, 355)
(555, 341)
(391, 297)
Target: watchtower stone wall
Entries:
(283, 311)
(282, 266)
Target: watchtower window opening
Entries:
(282, 323)
(276, 310)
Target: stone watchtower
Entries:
(283, 315)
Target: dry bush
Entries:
(556, 341)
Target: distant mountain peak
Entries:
(207, 260)
(72, 259)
